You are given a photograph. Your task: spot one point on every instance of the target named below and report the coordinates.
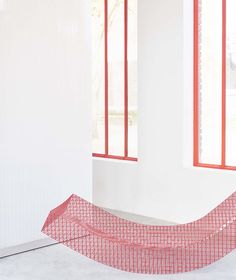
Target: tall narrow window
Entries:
(114, 85)
(215, 83)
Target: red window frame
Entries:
(125, 156)
(196, 161)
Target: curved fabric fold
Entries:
(140, 248)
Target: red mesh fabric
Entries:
(140, 248)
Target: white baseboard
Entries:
(6, 252)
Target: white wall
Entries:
(115, 184)
(163, 183)
(44, 112)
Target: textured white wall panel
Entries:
(44, 111)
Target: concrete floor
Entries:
(57, 262)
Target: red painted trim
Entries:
(196, 93)
(126, 110)
(106, 76)
(114, 157)
(223, 129)
(126, 105)
(215, 166)
(196, 85)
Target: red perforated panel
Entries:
(140, 248)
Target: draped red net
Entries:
(141, 248)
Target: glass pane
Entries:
(132, 64)
(116, 76)
(98, 86)
(231, 84)
(210, 61)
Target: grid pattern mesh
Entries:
(141, 248)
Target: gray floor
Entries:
(60, 263)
